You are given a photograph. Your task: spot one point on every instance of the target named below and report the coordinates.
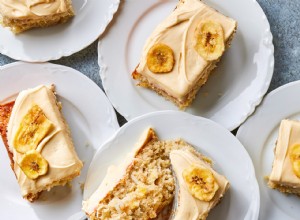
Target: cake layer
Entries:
(178, 31)
(282, 170)
(5, 111)
(56, 147)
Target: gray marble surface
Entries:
(284, 18)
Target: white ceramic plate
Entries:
(43, 44)
(230, 157)
(259, 134)
(234, 89)
(91, 119)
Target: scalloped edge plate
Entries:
(229, 156)
(259, 134)
(52, 43)
(91, 118)
(234, 89)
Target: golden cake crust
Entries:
(5, 111)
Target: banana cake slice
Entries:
(199, 187)
(181, 52)
(143, 186)
(21, 15)
(285, 175)
(38, 142)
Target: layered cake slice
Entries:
(139, 188)
(285, 175)
(199, 187)
(38, 142)
(180, 54)
(143, 186)
(21, 15)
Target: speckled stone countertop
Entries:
(284, 18)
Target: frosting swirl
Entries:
(31, 8)
(177, 31)
(57, 147)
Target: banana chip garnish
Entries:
(295, 159)
(33, 128)
(200, 182)
(33, 164)
(209, 40)
(160, 58)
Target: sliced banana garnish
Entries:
(295, 159)
(200, 182)
(160, 58)
(33, 164)
(209, 40)
(33, 128)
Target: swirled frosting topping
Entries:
(56, 147)
(177, 32)
(31, 8)
(282, 171)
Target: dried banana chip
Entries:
(33, 164)
(209, 40)
(295, 159)
(200, 182)
(160, 58)
(33, 128)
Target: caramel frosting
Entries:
(189, 207)
(115, 174)
(177, 31)
(282, 171)
(57, 147)
(31, 8)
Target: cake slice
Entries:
(180, 54)
(139, 188)
(199, 187)
(285, 175)
(38, 142)
(21, 15)
(143, 186)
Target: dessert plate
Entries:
(230, 157)
(44, 44)
(234, 89)
(259, 134)
(91, 119)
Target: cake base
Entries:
(284, 188)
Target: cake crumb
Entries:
(81, 187)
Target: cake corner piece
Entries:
(285, 174)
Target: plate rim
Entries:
(112, 9)
(155, 114)
(253, 103)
